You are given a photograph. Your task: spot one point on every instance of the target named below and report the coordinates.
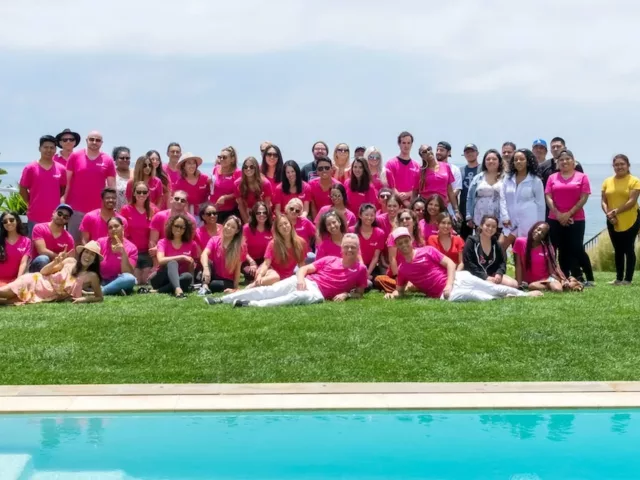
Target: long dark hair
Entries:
(363, 207)
(277, 175)
(147, 201)
(416, 231)
(322, 226)
(20, 230)
(343, 193)
(286, 187)
(532, 163)
(254, 186)
(160, 173)
(500, 162)
(253, 217)
(94, 267)
(360, 184)
(544, 243)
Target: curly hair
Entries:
(532, 163)
(187, 233)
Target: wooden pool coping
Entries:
(316, 396)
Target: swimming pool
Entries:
(486, 444)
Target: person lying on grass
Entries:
(436, 276)
(330, 278)
(60, 280)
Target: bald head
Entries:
(94, 141)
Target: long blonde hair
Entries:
(138, 170)
(279, 242)
(233, 253)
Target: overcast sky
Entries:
(208, 74)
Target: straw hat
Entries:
(188, 156)
(92, 246)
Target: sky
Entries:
(209, 74)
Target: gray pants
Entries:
(167, 279)
(74, 226)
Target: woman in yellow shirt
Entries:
(620, 205)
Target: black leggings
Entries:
(569, 241)
(624, 246)
(218, 284)
(167, 279)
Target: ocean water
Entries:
(596, 172)
(451, 445)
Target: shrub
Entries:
(602, 255)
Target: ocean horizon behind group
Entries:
(327, 230)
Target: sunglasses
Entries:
(142, 192)
(342, 150)
(323, 169)
(147, 165)
(67, 140)
(261, 213)
(385, 196)
(295, 210)
(374, 157)
(7, 221)
(95, 140)
(405, 219)
(179, 227)
(271, 154)
(335, 195)
(66, 216)
(124, 158)
(179, 199)
(418, 209)
(211, 214)
(249, 167)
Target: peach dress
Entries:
(37, 288)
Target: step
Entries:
(15, 467)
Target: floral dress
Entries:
(37, 288)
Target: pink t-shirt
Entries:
(333, 278)
(281, 198)
(436, 182)
(425, 272)
(217, 258)
(284, 269)
(256, 241)
(305, 229)
(156, 190)
(400, 176)
(348, 215)
(172, 175)
(203, 237)
(368, 246)
(110, 266)
(392, 244)
(159, 221)
(224, 185)
(328, 248)
(539, 263)
(96, 226)
(428, 229)
(356, 199)
(89, 178)
(59, 159)
(384, 223)
(187, 248)
(376, 182)
(42, 231)
(45, 187)
(138, 226)
(196, 194)
(318, 196)
(272, 181)
(250, 200)
(14, 254)
(566, 193)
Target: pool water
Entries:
(513, 445)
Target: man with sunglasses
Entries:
(319, 150)
(94, 224)
(50, 238)
(177, 204)
(88, 171)
(66, 142)
(41, 184)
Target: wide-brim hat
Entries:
(189, 156)
(92, 246)
(69, 132)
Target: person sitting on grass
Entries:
(435, 275)
(15, 247)
(62, 279)
(330, 278)
(119, 259)
(49, 239)
(535, 259)
(94, 223)
(222, 258)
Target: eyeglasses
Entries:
(94, 140)
(124, 158)
(66, 216)
(249, 167)
(67, 140)
(342, 150)
(179, 227)
(142, 192)
(271, 154)
(8, 220)
(323, 169)
(261, 213)
(180, 199)
(295, 210)
(211, 214)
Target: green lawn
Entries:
(157, 339)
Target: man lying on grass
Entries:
(435, 275)
(329, 278)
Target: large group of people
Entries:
(330, 229)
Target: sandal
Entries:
(143, 290)
(181, 295)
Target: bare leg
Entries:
(509, 282)
(541, 286)
(268, 278)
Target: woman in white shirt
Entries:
(522, 200)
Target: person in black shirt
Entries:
(319, 150)
(467, 173)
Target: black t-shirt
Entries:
(467, 174)
(308, 172)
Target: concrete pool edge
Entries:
(316, 396)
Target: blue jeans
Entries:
(39, 263)
(124, 281)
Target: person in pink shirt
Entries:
(88, 171)
(15, 247)
(42, 183)
(407, 219)
(402, 171)
(170, 169)
(359, 186)
(419, 207)
(331, 229)
(138, 214)
(223, 188)
(435, 178)
(330, 278)
(119, 257)
(373, 156)
(320, 187)
(292, 186)
(339, 204)
(257, 235)
(392, 207)
(252, 187)
(372, 239)
(535, 260)
(566, 193)
(210, 226)
(446, 242)
(176, 256)
(94, 223)
(435, 275)
(284, 253)
(195, 183)
(304, 227)
(66, 141)
(222, 258)
(341, 162)
(49, 239)
(161, 174)
(143, 172)
(177, 204)
(429, 225)
(272, 165)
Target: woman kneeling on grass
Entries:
(119, 258)
(223, 256)
(286, 251)
(330, 278)
(60, 280)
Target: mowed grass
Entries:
(594, 335)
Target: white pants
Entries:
(466, 287)
(284, 292)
